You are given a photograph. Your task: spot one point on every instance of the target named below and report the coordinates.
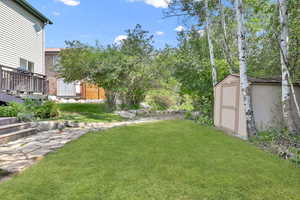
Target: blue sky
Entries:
(105, 20)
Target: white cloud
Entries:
(55, 13)
(159, 33)
(119, 39)
(155, 3)
(179, 28)
(70, 2)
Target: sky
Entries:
(105, 20)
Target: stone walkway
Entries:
(21, 154)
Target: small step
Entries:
(17, 135)
(7, 120)
(5, 129)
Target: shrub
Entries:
(25, 117)
(30, 110)
(161, 102)
(185, 102)
(205, 120)
(11, 110)
(46, 110)
(31, 104)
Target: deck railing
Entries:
(12, 79)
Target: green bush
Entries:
(205, 120)
(25, 116)
(161, 102)
(31, 109)
(31, 104)
(46, 110)
(11, 110)
(161, 99)
(184, 102)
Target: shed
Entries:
(229, 112)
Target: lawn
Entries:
(86, 113)
(171, 160)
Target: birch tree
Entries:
(245, 87)
(198, 9)
(286, 89)
(210, 43)
(227, 51)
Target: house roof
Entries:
(53, 50)
(273, 80)
(33, 11)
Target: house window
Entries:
(26, 65)
(30, 66)
(55, 60)
(23, 64)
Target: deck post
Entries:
(1, 77)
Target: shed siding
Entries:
(229, 113)
(19, 38)
(295, 114)
(267, 106)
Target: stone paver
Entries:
(21, 154)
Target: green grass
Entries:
(86, 113)
(172, 160)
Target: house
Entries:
(59, 88)
(229, 112)
(22, 44)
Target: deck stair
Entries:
(6, 97)
(11, 129)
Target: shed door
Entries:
(229, 108)
(66, 89)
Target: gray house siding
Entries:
(21, 36)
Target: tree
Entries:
(139, 52)
(210, 44)
(96, 65)
(201, 10)
(286, 89)
(125, 71)
(227, 50)
(245, 87)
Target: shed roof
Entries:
(273, 80)
(33, 11)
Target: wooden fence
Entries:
(89, 91)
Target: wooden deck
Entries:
(14, 82)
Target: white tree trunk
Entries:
(286, 89)
(245, 87)
(228, 54)
(210, 45)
